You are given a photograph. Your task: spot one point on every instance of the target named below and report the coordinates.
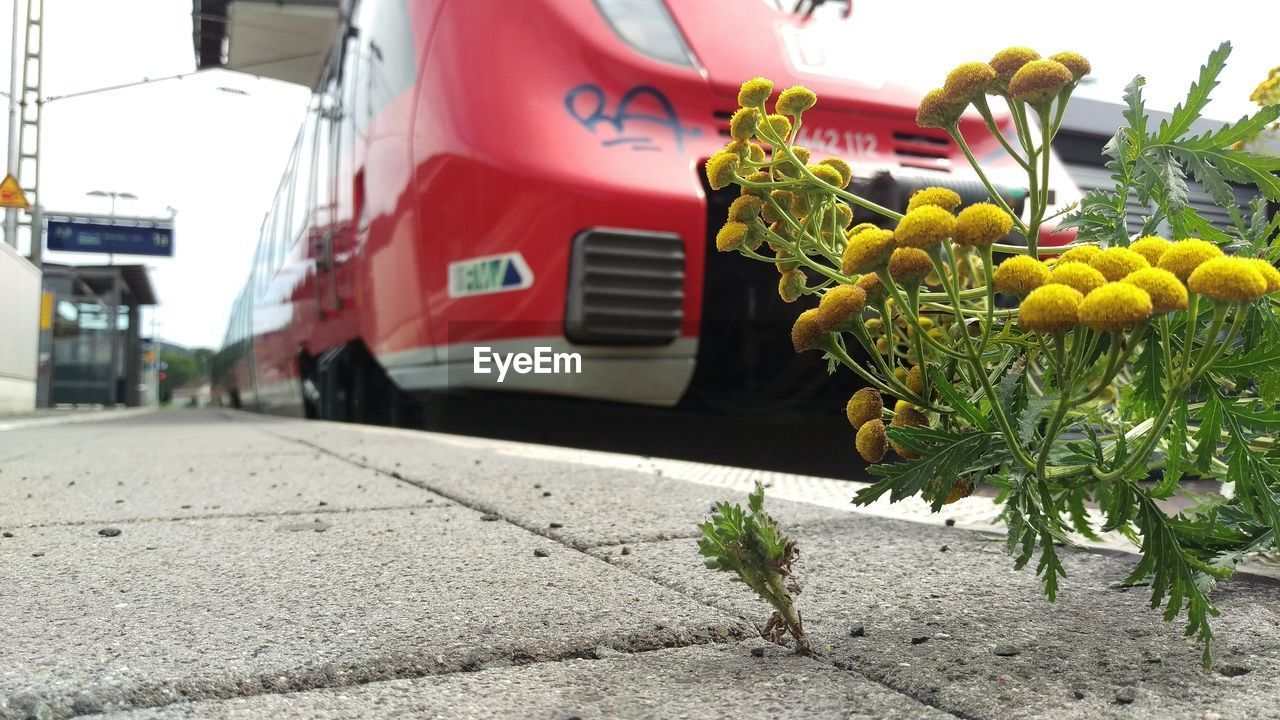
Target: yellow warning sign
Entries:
(11, 195)
(46, 311)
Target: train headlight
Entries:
(647, 26)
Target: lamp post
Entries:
(113, 195)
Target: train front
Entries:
(591, 249)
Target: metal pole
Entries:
(10, 214)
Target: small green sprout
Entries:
(750, 544)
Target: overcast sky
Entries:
(216, 157)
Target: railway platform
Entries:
(210, 563)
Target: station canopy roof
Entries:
(281, 39)
(135, 285)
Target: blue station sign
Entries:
(116, 236)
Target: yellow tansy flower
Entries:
(1150, 247)
(827, 174)
(1227, 278)
(1080, 253)
(754, 92)
(1075, 62)
(1184, 256)
(1006, 63)
(842, 167)
(1083, 278)
(839, 305)
(721, 169)
(871, 440)
(865, 405)
(925, 227)
(867, 251)
(871, 285)
(791, 285)
(743, 123)
(1269, 274)
(1115, 307)
(795, 100)
(731, 236)
(1050, 309)
(1020, 275)
(909, 265)
(1167, 293)
(938, 110)
(945, 198)
(806, 330)
(1117, 262)
(968, 81)
(1039, 81)
(982, 224)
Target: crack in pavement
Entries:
(225, 516)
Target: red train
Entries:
(513, 176)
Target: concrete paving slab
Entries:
(580, 505)
(202, 434)
(204, 609)
(88, 487)
(709, 681)
(940, 614)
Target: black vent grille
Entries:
(626, 287)
(919, 147)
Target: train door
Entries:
(337, 247)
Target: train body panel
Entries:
(520, 175)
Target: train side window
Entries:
(303, 176)
(388, 65)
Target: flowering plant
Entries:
(1065, 377)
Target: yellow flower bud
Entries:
(969, 81)
(925, 227)
(938, 110)
(1006, 63)
(744, 208)
(871, 285)
(900, 374)
(791, 285)
(1151, 248)
(731, 236)
(1080, 253)
(909, 265)
(1116, 263)
(1115, 306)
(827, 174)
(871, 440)
(721, 169)
(1051, 308)
(915, 380)
(743, 123)
(746, 149)
(1083, 278)
(795, 100)
(1039, 81)
(960, 489)
(1184, 256)
(758, 176)
(945, 198)
(867, 251)
(982, 224)
(754, 92)
(1020, 275)
(1228, 279)
(839, 305)
(1165, 290)
(865, 405)
(806, 331)
(1269, 274)
(779, 125)
(907, 417)
(1075, 62)
(842, 167)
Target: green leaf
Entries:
(944, 455)
(1210, 416)
(1185, 114)
(1232, 133)
(1178, 579)
(958, 402)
